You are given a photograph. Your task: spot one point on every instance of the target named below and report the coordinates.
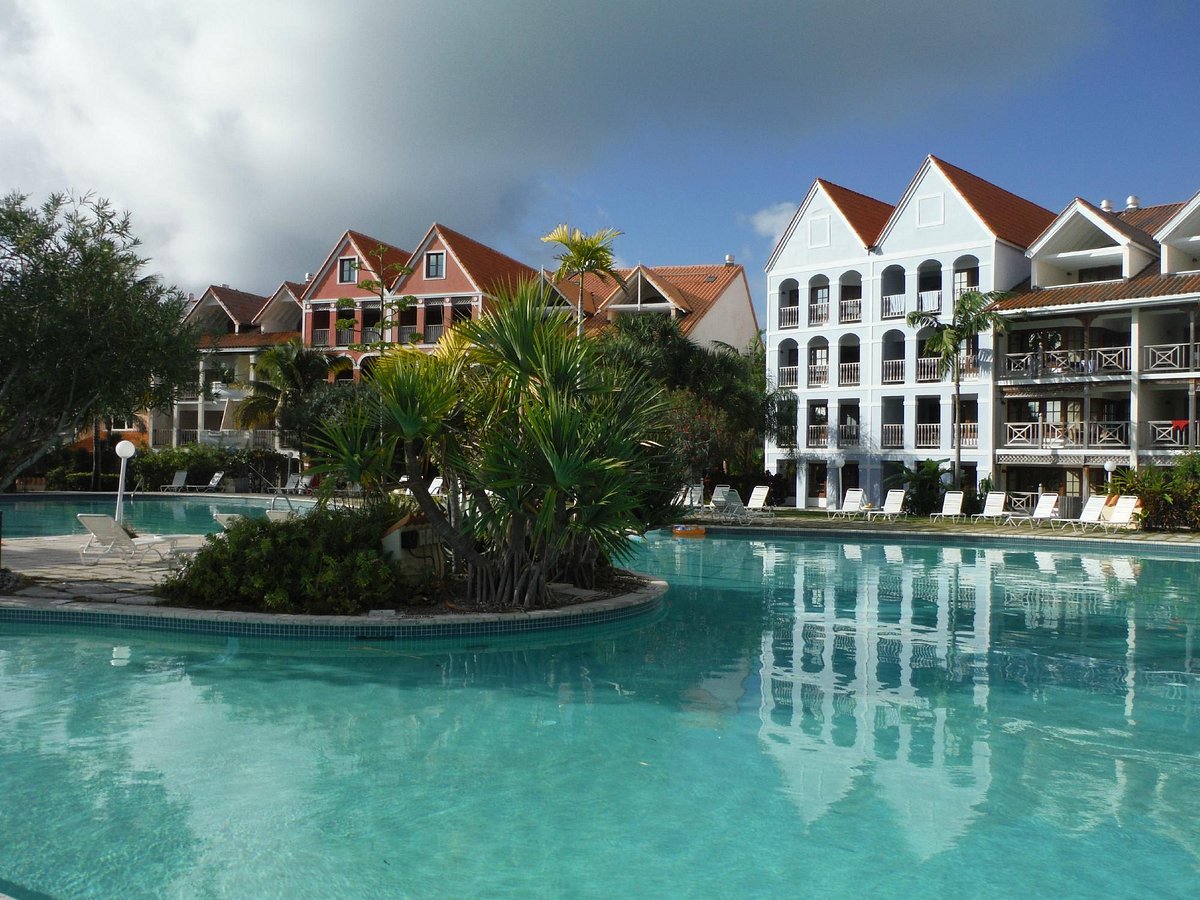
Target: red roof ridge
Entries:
(865, 214)
(1009, 216)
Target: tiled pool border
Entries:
(611, 610)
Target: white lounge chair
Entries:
(757, 504)
(851, 505)
(733, 511)
(280, 515)
(1123, 514)
(106, 538)
(993, 507)
(435, 486)
(1047, 506)
(178, 483)
(716, 503)
(892, 509)
(951, 507)
(227, 520)
(289, 486)
(1089, 516)
(212, 485)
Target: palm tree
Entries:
(289, 375)
(973, 315)
(584, 254)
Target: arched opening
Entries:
(893, 358)
(966, 275)
(929, 287)
(789, 364)
(789, 303)
(818, 300)
(927, 360)
(818, 362)
(892, 288)
(849, 358)
(367, 365)
(850, 297)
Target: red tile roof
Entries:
(490, 269)
(246, 340)
(1146, 284)
(1149, 219)
(1011, 218)
(367, 245)
(242, 305)
(866, 215)
(693, 288)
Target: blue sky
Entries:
(245, 138)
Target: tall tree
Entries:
(582, 255)
(84, 331)
(290, 376)
(972, 316)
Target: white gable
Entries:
(931, 214)
(1180, 239)
(818, 235)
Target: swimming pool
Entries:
(37, 516)
(807, 718)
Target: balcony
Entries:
(929, 434)
(964, 289)
(1171, 357)
(433, 333)
(1172, 434)
(371, 336)
(848, 434)
(789, 317)
(893, 371)
(818, 435)
(344, 337)
(404, 333)
(818, 313)
(850, 310)
(969, 434)
(893, 307)
(848, 374)
(818, 375)
(1055, 435)
(929, 302)
(789, 376)
(927, 368)
(320, 337)
(892, 437)
(787, 436)
(1096, 361)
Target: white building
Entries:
(840, 282)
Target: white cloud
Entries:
(771, 221)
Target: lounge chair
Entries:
(213, 484)
(305, 485)
(851, 505)
(106, 537)
(993, 507)
(178, 483)
(757, 504)
(951, 507)
(435, 486)
(289, 486)
(1047, 506)
(716, 504)
(1089, 516)
(1123, 514)
(892, 509)
(280, 515)
(227, 520)
(734, 511)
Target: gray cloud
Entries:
(245, 136)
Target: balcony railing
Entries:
(850, 310)
(371, 336)
(344, 337)
(1172, 434)
(818, 375)
(433, 333)
(892, 436)
(1095, 361)
(789, 316)
(787, 436)
(848, 434)
(969, 434)
(964, 289)
(893, 307)
(818, 435)
(1040, 435)
(188, 435)
(404, 333)
(320, 337)
(848, 373)
(927, 368)
(818, 313)
(929, 301)
(789, 376)
(929, 434)
(1171, 357)
(893, 371)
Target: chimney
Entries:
(1132, 202)
(729, 259)
(307, 277)
(1106, 205)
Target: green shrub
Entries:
(1170, 495)
(325, 563)
(156, 468)
(82, 481)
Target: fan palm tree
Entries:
(584, 254)
(289, 375)
(973, 315)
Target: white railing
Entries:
(789, 316)
(893, 371)
(1171, 357)
(433, 333)
(969, 365)
(1067, 434)
(818, 435)
(263, 438)
(892, 436)
(818, 375)
(1170, 433)
(320, 337)
(848, 434)
(968, 433)
(1095, 361)
(929, 435)
(789, 376)
(927, 368)
(893, 307)
(850, 310)
(1108, 434)
(929, 301)
(818, 313)
(848, 373)
(371, 336)
(959, 291)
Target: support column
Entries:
(1135, 384)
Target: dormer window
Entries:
(348, 270)
(1099, 273)
(435, 265)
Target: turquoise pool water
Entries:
(806, 719)
(38, 517)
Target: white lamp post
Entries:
(125, 450)
(1109, 468)
(840, 463)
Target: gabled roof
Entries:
(1012, 219)
(1146, 284)
(1162, 231)
(1149, 219)
(865, 215)
(1118, 228)
(362, 245)
(291, 291)
(693, 289)
(488, 269)
(240, 306)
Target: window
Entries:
(348, 270)
(435, 265)
(1099, 273)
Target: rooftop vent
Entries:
(729, 259)
(1106, 205)
(307, 277)
(1132, 202)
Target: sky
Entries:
(245, 137)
